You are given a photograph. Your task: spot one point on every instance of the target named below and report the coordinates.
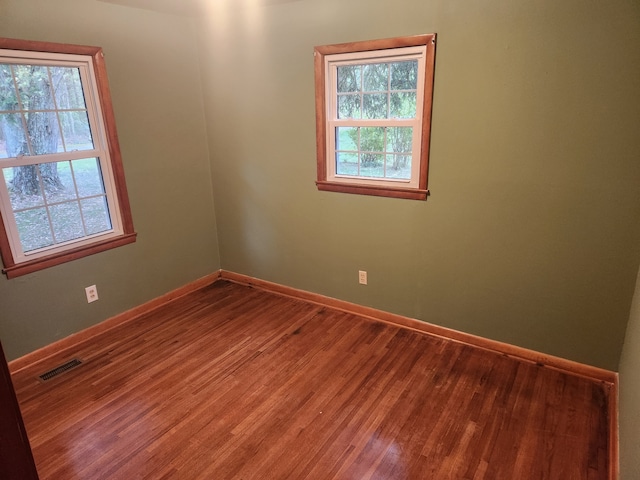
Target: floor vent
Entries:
(58, 370)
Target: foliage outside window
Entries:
(62, 189)
(373, 116)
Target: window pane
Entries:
(44, 132)
(349, 78)
(403, 105)
(34, 86)
(404, 75)
(76, 131)
(376, 77)
(372, 165)
(347, 138)
(399, 139)
(96, 215)
(33, 229)
(346, 163)
(58, 181)
(23, 185)
(375, 105)
(68, 88)
(399, 166)
(12, 139)
(8, 97)
(66, 220)
(349, 106)
(88, 177)
(372, 139)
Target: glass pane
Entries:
(346, 163)
(66, 220)
(372, 139)
(349, 106)
(44, 132)
(372, 165)
(76, 131)
(349, 78)
(34, 86)
(376, 77)
(96, 215)
(23, 185)
(399, 139)
(88, 177)
(33, 229)
(8, 97)
(347, 138)
(374, 105)
(67, 88)
(403, 105)
(58, 181)
(404, 75)
(399, 166)
(12, 138)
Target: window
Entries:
(62, 189)
(373, 116)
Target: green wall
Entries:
(154, 76)
(531, 234)
(629, 408)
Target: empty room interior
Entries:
(261, 314)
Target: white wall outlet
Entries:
(92, 293)
(362, 277)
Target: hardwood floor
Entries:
(230, 382)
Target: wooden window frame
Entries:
(354, 185)
(13, 268)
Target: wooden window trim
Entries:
(13, 269)
(320, 53)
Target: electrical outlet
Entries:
(92, 293)
(362, 277)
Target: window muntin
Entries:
(32, 95)
(375, 90)
(373, 115)
(374, 152)
(62, 190)
(57, 212)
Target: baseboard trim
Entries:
(520, 353)
(72, 341)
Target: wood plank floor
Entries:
(230, 382)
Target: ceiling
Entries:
(186, 7)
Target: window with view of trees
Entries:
(373, 116)
(62, 190)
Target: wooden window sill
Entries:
(41, 263)
(376, 190)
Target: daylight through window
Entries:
(62, 192)
(373, 109)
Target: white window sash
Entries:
(100, 151)
(332, 62)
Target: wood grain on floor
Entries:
(230, 382)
